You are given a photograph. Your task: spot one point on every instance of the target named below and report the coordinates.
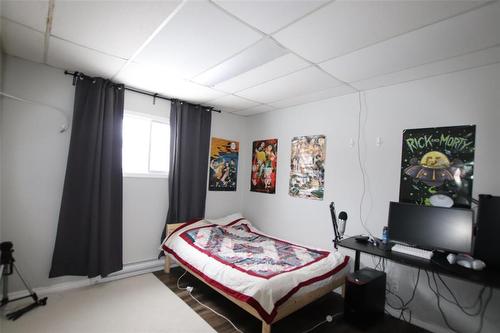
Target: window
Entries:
(146, 145)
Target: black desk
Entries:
(438, 264)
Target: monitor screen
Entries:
(432, 228)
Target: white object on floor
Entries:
(138, 304)
(412, 251)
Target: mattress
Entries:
(260, 270)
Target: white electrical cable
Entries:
(179, 279)
(220, 315)
(361, 168)
(189, 289)
(329, 319)
(315, 326)
(64, 113)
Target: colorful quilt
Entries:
(250, 251)
(240, 261)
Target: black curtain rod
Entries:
(140, 91)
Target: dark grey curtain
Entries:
(89, 233)
(189, 143)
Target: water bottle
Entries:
(385, 235)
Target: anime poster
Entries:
(264, 163)
(307, 174)
(437, 166)
(223, 165)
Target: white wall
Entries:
(468, 97)
(33, 163)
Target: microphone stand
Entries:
(335, 225)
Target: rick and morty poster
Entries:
(223, 165)
(437, 166)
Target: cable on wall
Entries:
(64, 113)
(361, 168)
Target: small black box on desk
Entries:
(364, 296)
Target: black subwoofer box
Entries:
(486, 243)
(364, 296)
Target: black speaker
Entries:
(487, 243)
(364, 296)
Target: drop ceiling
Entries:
(248, 57)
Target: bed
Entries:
(268, 277)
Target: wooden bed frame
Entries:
(290, 306)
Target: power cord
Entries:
(328, 319)
(481, 311)
(190, 289)
(404, 305)
(457, 303)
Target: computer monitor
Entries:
(432, 228)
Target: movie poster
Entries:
(264, 163)
(223, 165)
(437, 166)
(307, 174)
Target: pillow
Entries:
(226, 219)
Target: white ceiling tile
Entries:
(115, 27)
(21, 41)
(470, 60)
(30, 13)
(259, 53)
(232, 102)
(261, 108)
(269, 16)
(278, 67)
(160, 81)
(465, 33)
(65, 55)
(197, 38)
(305, 81)
(345, 26)
(315, 96)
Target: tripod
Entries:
(7, 267)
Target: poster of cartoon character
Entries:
(264, 163)
(437, 166)
(223, 165)
(307, 164)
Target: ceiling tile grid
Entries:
(471, 60)
(22, 41)
(270, 16)
(314, 96)
(345, 26)
(162, 81)
(115, 27)
(249, 57)
(29, 13)
(276, 68)
(232, 102)
(301, 82)
(261, 108)
(262, 52)
(473, 31)
(199, 37)
(63, 54)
